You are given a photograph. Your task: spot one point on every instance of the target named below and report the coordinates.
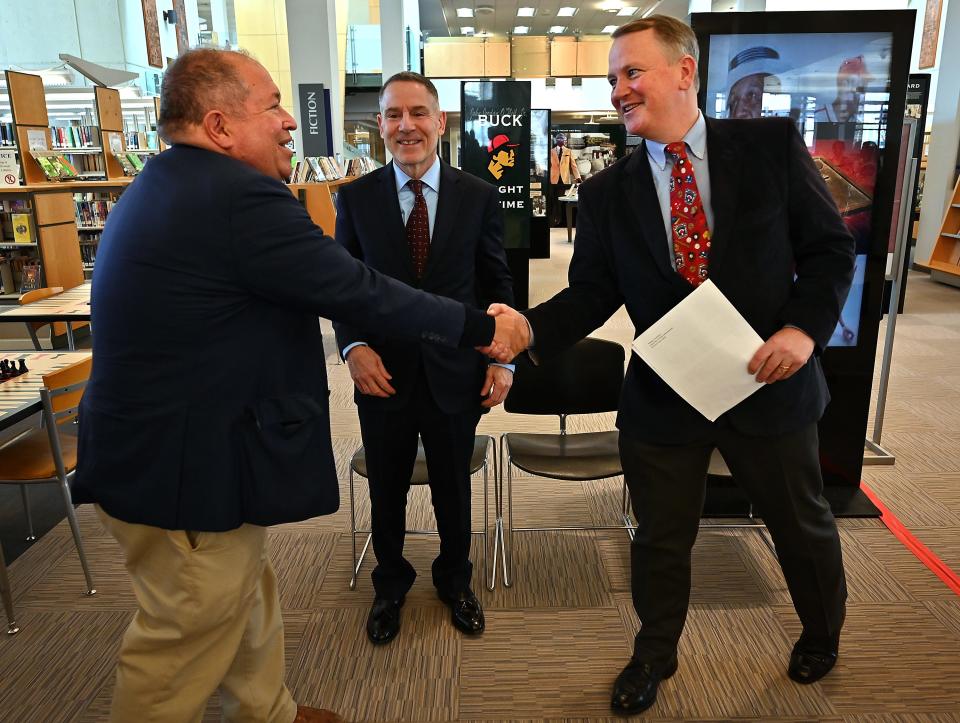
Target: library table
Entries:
(69, 306)
(19, 398)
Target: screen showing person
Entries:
(836, 87)
(752, 72)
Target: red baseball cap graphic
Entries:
(499, 141)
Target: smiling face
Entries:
(653, 95)
(411, 124)
(261, 129)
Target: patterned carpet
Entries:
(556, 640)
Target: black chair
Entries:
(483, 446)
(585, 379)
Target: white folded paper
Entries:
(701, 348)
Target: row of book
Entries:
(57, 167)
(75, 136)
(142, 140)
(317, 169)
(7, 137)
(93, 214)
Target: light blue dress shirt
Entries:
(662, 166)
(406, 196)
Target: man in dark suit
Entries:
(741, 203)
(441, 230)
(205, 418)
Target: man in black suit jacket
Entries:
(777, 248)
(408, 390)
(205, 418)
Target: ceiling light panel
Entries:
(526, 12)
(558, 29)
(464, 12)
(566, 12)
(521, 30)
(626, 12)
(608, 28)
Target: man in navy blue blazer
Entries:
(761, 225)
(406, 391)
(205, 418)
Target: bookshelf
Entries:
(944, 262)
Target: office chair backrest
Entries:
(585, 379)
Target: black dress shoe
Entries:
(383, 623)
(467, 614)
(808, 666)
(635, 689)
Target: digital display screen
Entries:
(836, 88)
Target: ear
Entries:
(216, 127)
(688, 72)
(380, 124)
(443, 122)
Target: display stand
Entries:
(877, 455)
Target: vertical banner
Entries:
(314, 120)
(495, 146)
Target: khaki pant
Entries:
(208, 618)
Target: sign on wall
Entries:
(315, 120)
(495, 146)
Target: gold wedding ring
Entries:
(784, 368)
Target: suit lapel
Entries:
(643, 201)
(396, 233)
(725, 158)
(448, 206)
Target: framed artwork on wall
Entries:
(151, 29)
(183, 40)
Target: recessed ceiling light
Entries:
(626, 11)
(467, 30)
(464, 12)
(526, 12)
(608, 29)
(566, 12)
(558, 28)
(521, 30)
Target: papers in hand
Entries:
(701, 348)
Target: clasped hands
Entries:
(371, 377)
(512, 335)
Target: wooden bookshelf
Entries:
(945, 259)
(110, 118)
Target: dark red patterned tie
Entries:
(691, 235)
(418, 229)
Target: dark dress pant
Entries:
(781, 476)
(390, 442)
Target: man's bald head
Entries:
(197, 82)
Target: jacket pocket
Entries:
(286, 460)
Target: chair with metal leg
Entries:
(48, 454)
(585, 379)
(483, 448)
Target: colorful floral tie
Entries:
(691, 235)
(418, 229)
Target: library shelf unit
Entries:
(944, 262)
(318, 198)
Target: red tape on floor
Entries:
(923, 553)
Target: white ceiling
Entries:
(499, 17)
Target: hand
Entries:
(368, 373)
(512, 334)
(496, 386)
(781, 356)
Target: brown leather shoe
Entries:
(315, 715)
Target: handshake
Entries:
(512, 335)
